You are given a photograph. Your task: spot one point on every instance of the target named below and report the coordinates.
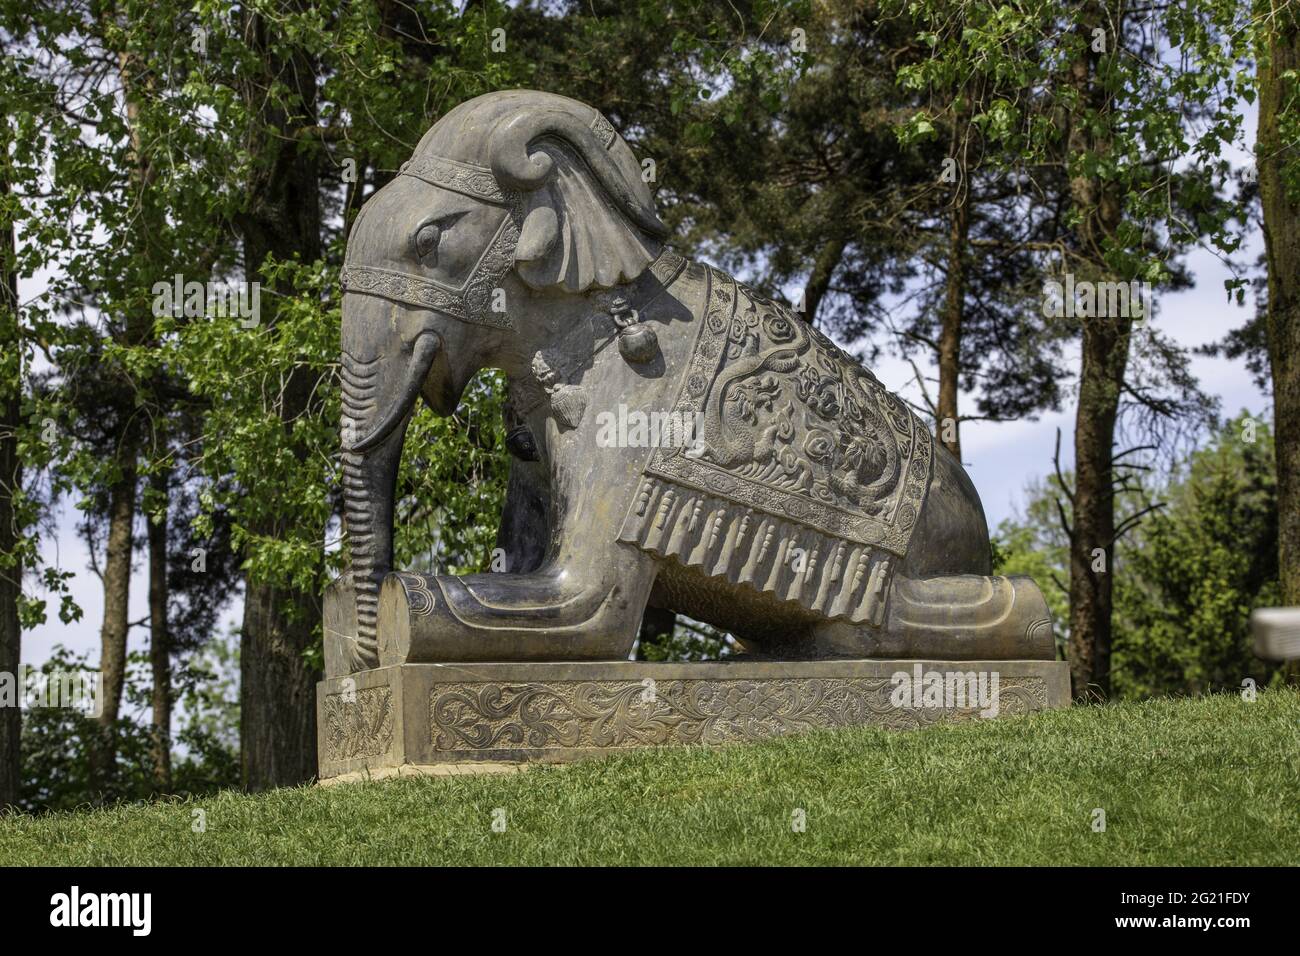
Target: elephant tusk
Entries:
(422, 355)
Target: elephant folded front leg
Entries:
(503, 617)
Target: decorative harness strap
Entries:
(665, 270)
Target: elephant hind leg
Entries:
(951, 534)
(951, 617)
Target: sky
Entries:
(1001, 457)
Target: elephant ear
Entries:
(574, 237)
(589, 218)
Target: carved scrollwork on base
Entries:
(611, 715)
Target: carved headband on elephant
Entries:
(542, 164)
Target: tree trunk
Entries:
(1282, 253)
(282, 218)
(277, 693)
(113, 631)
(1104, 362)
(1105, 357)
(11, 569)
(160, 645)
(121, 504)
(947, 423)
(819, 279)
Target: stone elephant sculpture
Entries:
(787, 496)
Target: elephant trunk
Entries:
(378, 396)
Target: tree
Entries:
(1187, 577)
(11, 482)
(30, 142)
(280, 220)
(314, 110)
(106, 395)
(1278, 166)
(127, 205)
(1094, 101)
(1192, 574)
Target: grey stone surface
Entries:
(467, 769)
(792, 501)
(438, 715)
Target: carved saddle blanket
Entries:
(805, 476)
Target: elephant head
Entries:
(512, 202)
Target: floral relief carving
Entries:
(477, 182)
(621, 714)
(805, 431)
(358, 723)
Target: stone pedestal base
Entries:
(433, 715)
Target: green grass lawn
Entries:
(1208, 781)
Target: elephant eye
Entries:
(426, 240)
(429, 234)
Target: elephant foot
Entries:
(347, 648)
(950, 617)
(502, 617)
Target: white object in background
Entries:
(1277, 633)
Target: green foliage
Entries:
(688, 641)
(1187, 575)
(452, 484)
(274, 469)
(206, 758)
(1157, 136)
(1034, 544)
(116, 200)
(57, 744)
(1194, 571)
